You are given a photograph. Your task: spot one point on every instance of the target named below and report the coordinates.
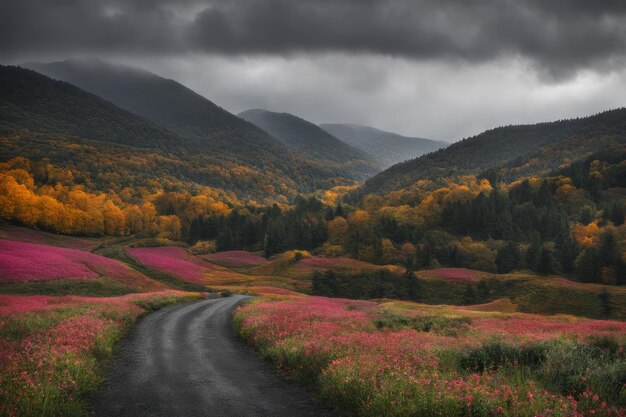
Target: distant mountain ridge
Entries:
(502, 146)
(387, 147)
(309, 139)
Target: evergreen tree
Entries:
(469, 295)
(588, 268)
(545, 263)
(507, 258)
(586, 215)
(568, 253)
(533, 252)
(605, 304)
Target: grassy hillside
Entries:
(397, 359)
(121, 266)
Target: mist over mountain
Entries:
(166, 151)
(387, 147)
(309, 139)
(169, 104)
(107, 147)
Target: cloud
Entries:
(428, 99)
(559, 37)
(443, 69)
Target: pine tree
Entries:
(587, 266)
(545, 263)
(568, 253)
(507, 258)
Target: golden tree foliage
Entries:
(587, 235)
(57, 204)
(337, 230)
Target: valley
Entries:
(379, 274)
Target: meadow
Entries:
(53, 349)
(65, 302)
(394, 358)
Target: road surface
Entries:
(184, 361)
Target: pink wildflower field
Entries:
(50, 347)
(36, 236)
(21, 261)
(174, 261)
(402, 359)
(235, 258)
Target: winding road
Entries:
(185, 361)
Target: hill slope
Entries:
(167, 104)
(387, 147)
(171, 105)
(499, 146)
(109, 148)
(309, 139)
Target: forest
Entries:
(570, 222)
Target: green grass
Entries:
(531, 294)
(439, 324)
(17, 327)
(99, 287)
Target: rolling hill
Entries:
(309, 139)
(559, 141)
(387, 147)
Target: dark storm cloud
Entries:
(558, 36)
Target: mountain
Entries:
(175, 107)
(545, 146)
(40, 105)
(168, 104)
(387, 147)
(309, 139)
(550, 159)
(109, 148)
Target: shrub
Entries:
(203, 247)
(439, 324)
(496, 354)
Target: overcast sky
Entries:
(430, 68)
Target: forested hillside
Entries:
(109, 149)
(501, 145)
(388, 148)
(309, 139)
(168, 104)
(171, 105)
(558, 209)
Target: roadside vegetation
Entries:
(53, 349)
(405, 359)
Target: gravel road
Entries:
(184, 361)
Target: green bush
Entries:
(497, 354)
(440, 324)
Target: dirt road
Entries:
(184, 361)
